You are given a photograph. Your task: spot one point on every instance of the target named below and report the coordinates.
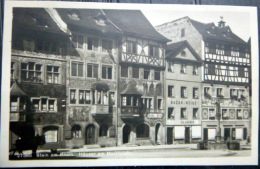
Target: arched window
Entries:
(76, 131)
(51, 134)
(112, 131)
(142, 131)
(103, 131)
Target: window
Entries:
(233, 94)
(195, 70)
(225, 114)
(78, 40)
(142, 131)
(51, 134)
(183, 53)
(157, 75)
(107, 72)
(103, 131)
(146, 74)
(148, 102)
(183, 92)
(136, 73)
(31, 71)
(195, 93)
(170, 66)
(124, 101)
(76, 131)
(131, 47)
(212, 114)
(106, 45)
(77, 69)
(124, 71)
(93, 44)
(211, 69)
(234, 51)
(44, 104)
(220, 49)
(153, 51)
(195, 113)
(239, 114)
(170, 91)
(84, 97)
(212, 134)
(111, 98)
(183, 113)
(14, 104)
(206, 92)
(171, 113)
(160, 104)
(72, 96)
(182, 32)
(241, 71)
(93, 71)
(53, 74)
(183, 68)
(220, 92)
(12, 70)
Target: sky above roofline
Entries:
(238, 21)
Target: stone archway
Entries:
(90, 134)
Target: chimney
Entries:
(221, 23)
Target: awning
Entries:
(130, 90)
(16, 90)
(100, 86)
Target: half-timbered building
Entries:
(141, 97)
(225, 75)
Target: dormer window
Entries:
(74, 16)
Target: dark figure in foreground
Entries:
(28, 144)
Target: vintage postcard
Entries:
(95, 84)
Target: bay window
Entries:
(44, 104)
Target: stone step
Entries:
(91, 146)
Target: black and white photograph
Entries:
(86, 84)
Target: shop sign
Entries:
(183, 122)
(154, 116)
(181, 102)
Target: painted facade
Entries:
(225, 75)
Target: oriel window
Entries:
(72, 96)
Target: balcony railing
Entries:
(99, 109)
(130, 112)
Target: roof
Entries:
(173, 49)
(87, 19)
(16, 90)
(130, 90)
(35, 19)
(210, 31)
(134, 22)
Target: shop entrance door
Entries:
(227, 133)
(156, 132)
(205, 134)
(187, 134)
(126, 134)
(90, 134)
(169, 135)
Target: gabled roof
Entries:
(135, 23)
(16, 90)
(87, 19)
(213, 32)
(172, 50)
(35, 19)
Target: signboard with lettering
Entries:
(154, 116)
(183, 122)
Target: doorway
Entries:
(126, 134)
(157, 127)
(170, 135)
(227, 133)
(90, 134)
(205, 134)
(187, 134)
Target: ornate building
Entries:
(38, 76)
(225, 75)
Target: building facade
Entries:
(183, 86)
(225, 75)
(38, 77)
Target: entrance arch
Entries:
(157, 127)
(90, 134)
(126, 134)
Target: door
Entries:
(227, 134)
(156, 133)
(126, 134)
(90, 134)
(169, 135)
(187, 134)
(205, 134)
